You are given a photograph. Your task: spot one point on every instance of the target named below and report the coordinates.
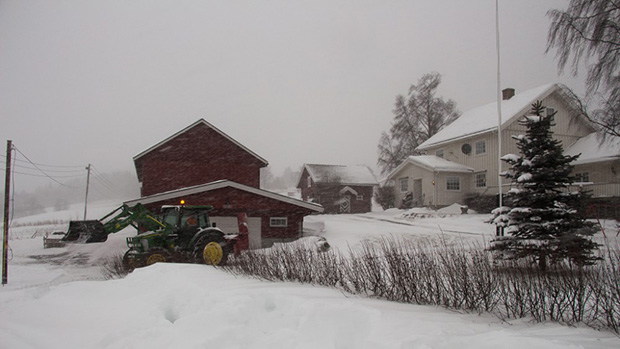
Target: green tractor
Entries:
(187, 236)
(182, 234)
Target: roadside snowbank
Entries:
(194, 306)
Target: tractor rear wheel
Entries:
(210, 250)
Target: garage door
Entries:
(230, 225)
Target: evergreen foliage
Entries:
(543, 221)
(385, 196)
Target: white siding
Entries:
(567, 129)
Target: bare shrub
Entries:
(461, 277)
(114, 268)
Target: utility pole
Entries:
(87, 183)
(5, 237)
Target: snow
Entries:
(510, 157)
(533, 118)
(360, 174)
(57, 298)
(524, 177)
(593, 150)
(433, 163)
(484, 118)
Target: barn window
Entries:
(439, 153)
(309, 181)
(453, 183)
(278, 222)
(360, 198)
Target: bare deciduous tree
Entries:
(417, 117)
(588, 32)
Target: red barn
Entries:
(203, 166)
(338, 188)
(198, 154)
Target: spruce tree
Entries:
(542, 221)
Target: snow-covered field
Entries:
(58, 298)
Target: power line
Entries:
(44, 165)
(104, 184)
(101, 178)
(40, 170)
(41, 175)
(56, 171)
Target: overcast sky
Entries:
(295, 81)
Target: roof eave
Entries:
(223, 184)
(595, 160)
(465, 136)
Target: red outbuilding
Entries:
(338, 188)
(204, 166)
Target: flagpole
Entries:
(499, 110)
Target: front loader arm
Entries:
(137, 216)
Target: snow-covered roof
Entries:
(223, 184)
(483, 119)
(342, 174)
(593, 150)
(432, 163)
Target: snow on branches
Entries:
(542, 221)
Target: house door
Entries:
(418, 198)
(345, 204)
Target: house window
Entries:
(481, 180)
(581, 177)
(550, 112)
(360, 198)
(453, 183)
(278, 222)
(481, 147)
(309, 181)
(404, 184)
(439, 153)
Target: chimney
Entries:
(508, 93)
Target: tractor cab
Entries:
(186, 217)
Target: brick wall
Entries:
(197, 156)
(228, 202)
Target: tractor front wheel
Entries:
(157, 255)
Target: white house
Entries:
(462, 159)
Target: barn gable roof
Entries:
(483, 119)
(341, 174)
(199, 122)
(219, 185)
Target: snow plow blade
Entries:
(86, 232)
